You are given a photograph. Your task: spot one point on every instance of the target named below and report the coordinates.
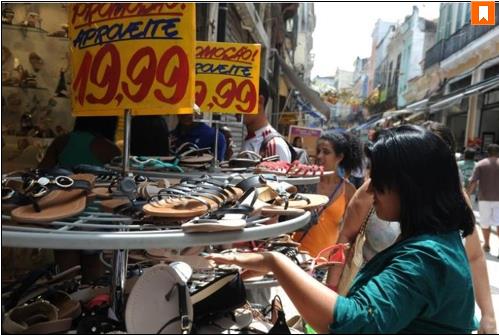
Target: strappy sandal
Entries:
(153, 164)
(335, 255)
(228, 218)
(54, 199)
(40, 317)
(190, 155)
(246, 159)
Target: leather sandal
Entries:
(54, 199)
(40, 317)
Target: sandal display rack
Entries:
(98, 230)
(95, 230)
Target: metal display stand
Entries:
(220, 175)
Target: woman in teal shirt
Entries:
(422, 283)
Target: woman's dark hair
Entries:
(443, 131)
(149, 136)
(98, 125)
(469, 154)
(348, 145)
(295, 140)
(420, 166)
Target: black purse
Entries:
(221, 295)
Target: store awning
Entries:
(397, 112)
(370, 122)
(308, 94)
(446, 102)
(482, 87)
(455, 98)
(307, 109)
(418, 105)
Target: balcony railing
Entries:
(457, 41)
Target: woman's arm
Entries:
(480, 277)
(314, 301)
(355, 214)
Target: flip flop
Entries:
(159, 303)
(54, 200)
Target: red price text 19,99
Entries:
(242, 97)
(100, 80)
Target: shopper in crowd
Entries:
(298, 142)
(486, 177)
(466, 166)
(259, 128)
(381, 234)
(90, 142)
(149, 136)
(198, 133)
(335, 150)
(229, 141)
(411, 286)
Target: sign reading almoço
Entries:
(132, 56)
(227, 77)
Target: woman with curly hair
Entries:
(339, 152)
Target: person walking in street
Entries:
(486, 177)
(259, 128)
(466, 166)
(422, 283)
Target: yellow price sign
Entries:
(137, 56)
(227, 77)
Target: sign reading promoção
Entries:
(132, 56)
(227, 77)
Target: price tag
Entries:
(132, 55)
(227, 77)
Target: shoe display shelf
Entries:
(96, 230)
(297, 181)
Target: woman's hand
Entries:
(487, 325)
(260, 262)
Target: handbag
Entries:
(355, 259)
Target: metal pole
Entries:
(120, 265)
(126, 142)
(215, 166)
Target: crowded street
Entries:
(250, 167)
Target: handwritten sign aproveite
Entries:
(227, 77)
(131, 55)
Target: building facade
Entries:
(465, 63)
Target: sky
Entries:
(343, 30)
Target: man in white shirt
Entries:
(258, 128)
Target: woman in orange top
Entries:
(335, 150)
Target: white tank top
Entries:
(380, 234)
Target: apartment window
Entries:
(448, 22)
(459, 18)
(491, 71)
(390, 74)
(459, 84)
(467, 14)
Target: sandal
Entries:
(54, 199)
(246, 159)
(189, 154)
(40, 317)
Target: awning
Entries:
(415, 116)
(397, 112)
(446, 102)
(482, 87)
(421, 104)
(455, 98)
(371, 121)
(310, 95)
(307, 109)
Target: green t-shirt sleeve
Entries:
(389, 301)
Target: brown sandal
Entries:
(55, 199)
